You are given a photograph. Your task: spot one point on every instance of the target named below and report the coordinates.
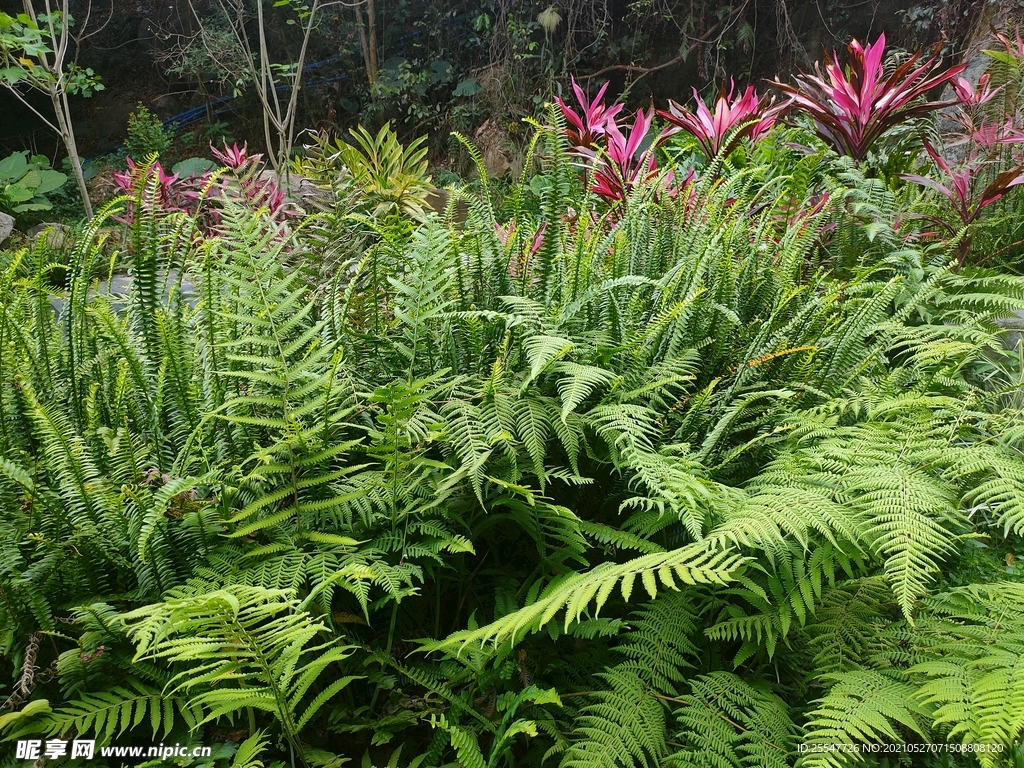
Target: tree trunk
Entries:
(67, 135)
(368, 47)
(57, 90)
(371, 24)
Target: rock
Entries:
(306, 191)
(437, 201)
(6, 226)
(493, 141)
(1013, 325)
(168, 104)
(57, 235)
(301, 191)
(119, 288)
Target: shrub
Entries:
(853, 107)
(146, 135)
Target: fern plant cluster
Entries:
(715, 478)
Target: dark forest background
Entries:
(475, 66)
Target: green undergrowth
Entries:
(723, 476)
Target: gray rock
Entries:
(120, 287)
(57, 235)
(6, 226)
(1013, 327)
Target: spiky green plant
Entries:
(684, 482)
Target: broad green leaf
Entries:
(49, 181)
(12, 75)
(13, 166)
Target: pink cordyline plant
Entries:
(989, 135)
(970, 95)
(612, 151)
(853, 107)
(622, 165)
(1014, 49)
(257, 192)
(234, 157)
(978, 128)
(588, 129)
(169, 191)
(719, 129)
(970, 179)
(519, 264)
(962, 190)
(193, 195)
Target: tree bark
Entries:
(371, 24)
(57, 91)
(368, 45)
(67, 131)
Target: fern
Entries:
(694, 564)
(726, 721)
(845, 622)
(973, 636)
(243, 647)
(248, 752)
(108, 714)
(627, 724)
(861, 706)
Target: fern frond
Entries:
(861, 707)
(727, 721)
(693, 564)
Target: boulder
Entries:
(1013, 325)
(57, 235)
(300, 191)
(119, 288)
(495, 147)
(6, 226)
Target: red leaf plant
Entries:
(970, 184)
(1013, 50)
(586, 130)
(615, 153)
(169, 191)
(962, 191)
(852, 108)
(257, 192)
(621, 166)
(192, 195)
(970, 95)
(978, 129)
(720, 129)
(519, 264)
(610, 151)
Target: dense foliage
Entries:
(695, 448)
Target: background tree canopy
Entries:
(459, 65)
